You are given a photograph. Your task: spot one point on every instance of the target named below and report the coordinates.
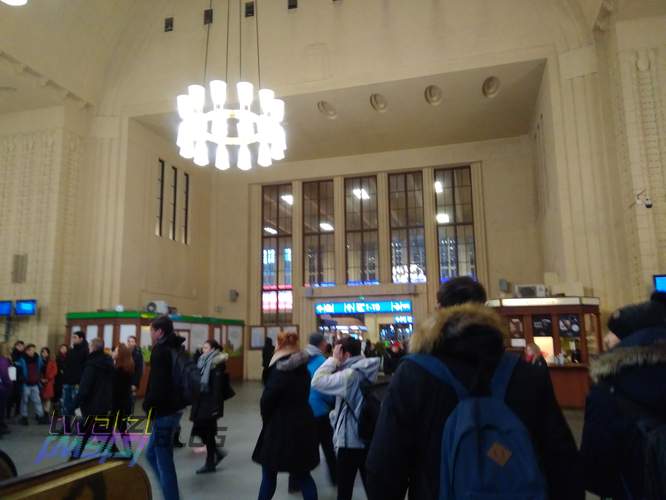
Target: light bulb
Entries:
(201, 153)
(197, 97)
(245, 93)
(264, 157)
(277, 153)
(187, 150)
(244, 158)
(277, 111)
(222, 157)
(184, 105)
(266, 97)
(218, 92)
(184, 134)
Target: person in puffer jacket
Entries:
(341, 376)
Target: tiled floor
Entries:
(237, 476)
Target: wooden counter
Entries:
(571, 383)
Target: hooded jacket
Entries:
(76, 358)
(469, 340)
(161, 394)
(344, 383)
(320, 403)
(95, 396)
(288, 439)
(635, 370)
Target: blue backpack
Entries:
(487, 452)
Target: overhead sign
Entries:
(386, 306)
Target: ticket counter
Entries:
(566, 329)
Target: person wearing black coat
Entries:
(61, 356)
(267, 352)
(137, 358)
(468, 339)
(14, 400)
(73, 369)
(95, 396)
(628, 385)
(208, 407)
(288, 439)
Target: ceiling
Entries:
(463, 115)
(22, 90)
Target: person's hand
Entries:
(338, 354)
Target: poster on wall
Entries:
(569, 325)
(234, 343)
(257, 336)
(272, 333)
(542, 326)
(516, 328)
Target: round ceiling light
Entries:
(378, 102)
(433, 95)
(327, 109)
(15, 3)
(491, 86)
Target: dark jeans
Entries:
(325, 436)
(269, 483)
(159, 453)
(350, 460)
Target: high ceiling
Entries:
(463, 115)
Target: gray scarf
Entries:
(204, 363)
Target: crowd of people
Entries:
(455, 396)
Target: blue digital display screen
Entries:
(5, 308)
(26, 307)
(660, 283)
(387, 306)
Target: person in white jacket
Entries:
(341, 376)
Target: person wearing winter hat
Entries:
(626, 387)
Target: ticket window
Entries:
(542, 332)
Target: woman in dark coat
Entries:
(468, 339)
(628, 386)
(208, 407)
(267, 352)
(288, 440)
(123, 374)
(61, 355)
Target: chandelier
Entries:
(14, 3)
(226, 127)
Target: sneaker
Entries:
(206, 469)
(23, 421)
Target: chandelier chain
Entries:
(205, 73)
(226, 61)
(256, 17)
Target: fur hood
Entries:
(619, 358)
(221, 357)
(454, 321)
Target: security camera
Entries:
(647, 202)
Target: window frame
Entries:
(277, 237)
(318, 233)
(362, 231)
(186, 208)
(173, 230)
(159, 223)
(408, 227)
(455, 224)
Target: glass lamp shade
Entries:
(220, 128)
(264, 156)
(222, 157)
(201, 153)
(244, 158)
(266, 97)
(278, 110)
(218, 92)
(197, 97)
(184, 134)
(14, 3)
(279, 137)
(245, 93)
(277, 153)
(184, 106)
(187, 150)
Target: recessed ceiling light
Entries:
(327, 109)
(443, 218)
(270, 230)
(433, 95)
(378, 102)
(325, 226)
(288, 199)
(491, 86)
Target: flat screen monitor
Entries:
(5, 308)
(660, 282)
(25, 307)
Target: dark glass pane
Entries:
(448, 258)
(466, 252)
(417, 262)
(354, 258)
(399, 259)
(398, 209)
(284, 262)
(353, 204)
(285, 204)
(311, 259)
(327, 260)
(370, 258)
(310, 207)
(269, 263)
(369, 186)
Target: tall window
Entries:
(159, 215)
(408, 263)
(455, 223)
(276, 288)
(174, 199)
(186, 208)
(318, 234)
(361, 230)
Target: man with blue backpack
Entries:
(463, 419)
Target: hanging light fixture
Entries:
(253, 122)
(14, 3)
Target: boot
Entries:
(207, 468)
(219, 455)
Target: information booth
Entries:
(115, 327)
(566, 329)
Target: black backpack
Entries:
(648, 442)
(373, 395)
(186, 377)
